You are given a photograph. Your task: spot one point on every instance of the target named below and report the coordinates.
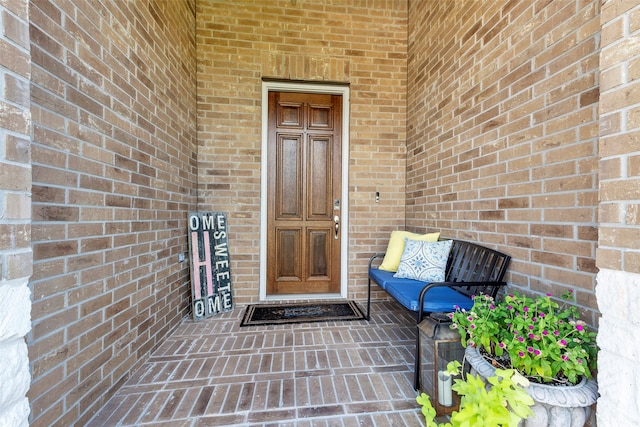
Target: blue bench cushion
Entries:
(407, 292)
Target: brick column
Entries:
(618, 257)
(15, 211)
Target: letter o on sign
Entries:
(194, 222)
(199, 308)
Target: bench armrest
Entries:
(374, 258)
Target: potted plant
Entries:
(546, 342)
(504, 404)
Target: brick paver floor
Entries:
(214, 373)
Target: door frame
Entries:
(333, 89)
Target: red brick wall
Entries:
(15, 211)
(362, 43)
(502, 139)
(619, 147)
(114, 176)
(497, 102)
(618, 259)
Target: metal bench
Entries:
(471, 269)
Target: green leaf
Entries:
(453, 368)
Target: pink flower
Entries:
(580, 328)
(537, 352)
(545, 332)
(562, 343)
(521, 353)
(565, 357)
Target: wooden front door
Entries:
(304, 189)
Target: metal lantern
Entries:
(439, 345)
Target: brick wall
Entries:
(114, 176)
(15, 212)
(362, 43)
(503, 134)
(619, 231)
(618, 289)
(497, 101)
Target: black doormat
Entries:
(280, 314)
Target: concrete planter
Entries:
(555, 406)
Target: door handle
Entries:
(336, 220)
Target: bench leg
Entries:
(369, 301)
(416, 369)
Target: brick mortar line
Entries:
(278, 350)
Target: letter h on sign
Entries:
(197, 263)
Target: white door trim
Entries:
(282, 86)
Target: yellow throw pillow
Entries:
(395, 248)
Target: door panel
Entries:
(289, 242)
(290, 115)
(319, 178)
(318, 253)
(320, 117)
(304, 157)
(288, 166)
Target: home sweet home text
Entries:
(209, 257)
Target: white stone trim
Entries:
(344, 208)
(15, 323)
(618, 295)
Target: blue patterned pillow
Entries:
(424, 261)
